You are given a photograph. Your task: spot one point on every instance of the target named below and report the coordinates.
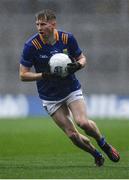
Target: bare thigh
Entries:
(63, 120)
(78, 109)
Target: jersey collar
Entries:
(56, 37)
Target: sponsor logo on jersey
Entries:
(43, 56)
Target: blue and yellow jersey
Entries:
(36, 53)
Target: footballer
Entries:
(62, 97)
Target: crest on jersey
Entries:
(65, 51)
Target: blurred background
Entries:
(101, 28)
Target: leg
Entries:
(62, 119)
(78, 110)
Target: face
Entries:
(45, 28)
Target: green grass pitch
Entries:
(35, 148)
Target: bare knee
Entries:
(83, 123)
(79, 140)
(86, 124)
(75, 138)
(72, 134)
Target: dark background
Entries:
(100, 26)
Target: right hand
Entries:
(49, 75)
(46, 74)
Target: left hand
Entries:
(73, 67)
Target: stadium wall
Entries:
(103, 37)
(98, 106)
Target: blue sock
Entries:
(102, 142)
(97, 153)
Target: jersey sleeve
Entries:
(74, 49)
(28, 55)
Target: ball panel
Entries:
(59, 60)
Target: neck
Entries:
(50, 39)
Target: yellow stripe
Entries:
(64, 38)
(35, 44)
(57, 36)
(42, 39)
(38, 43)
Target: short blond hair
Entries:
(45, 14)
